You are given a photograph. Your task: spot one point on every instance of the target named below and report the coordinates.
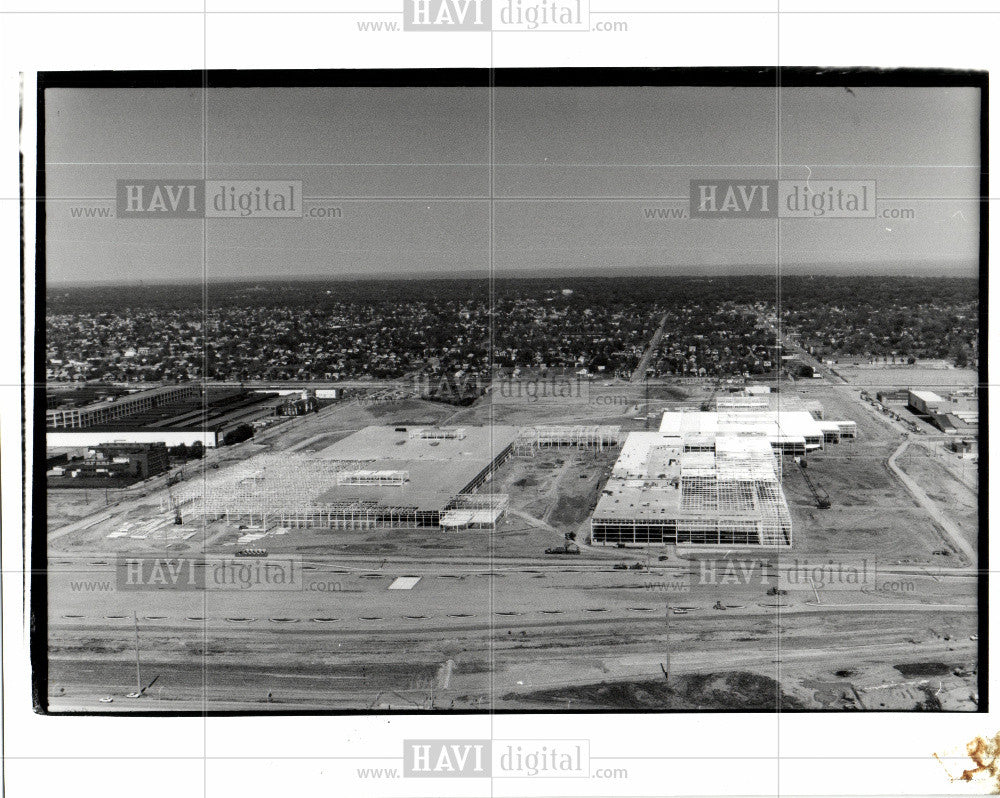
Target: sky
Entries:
(575, 172)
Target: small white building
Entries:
(926, 402)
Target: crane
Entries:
(821, 497)
(174, 506)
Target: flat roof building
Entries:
(377, 477)
(789, 431)
(109, 410)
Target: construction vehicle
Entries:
(566, 548)
(820, 496)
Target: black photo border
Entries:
(738, 77)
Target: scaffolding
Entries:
(738, 499)
(369, 477)
(729, 493)
(475, 511)
(530, 439)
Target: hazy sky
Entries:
(582, 152)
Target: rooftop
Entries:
(374, 467)
(406, 466)
(926, 396)
(771, 424)
(662, 476)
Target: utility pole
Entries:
(665, 666)
(138, 680)
(815, 591)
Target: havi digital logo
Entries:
(441, 15)
(443, 758)
(785, 199)
(501, 15)
(209, 199)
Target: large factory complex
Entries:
(170, 414)
(704, 477)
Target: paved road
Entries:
(640, 370)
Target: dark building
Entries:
(136, 460)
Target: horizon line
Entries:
(706, 273)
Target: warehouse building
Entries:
(397, 477)
(172, 415)
(788, 431)
(122, 462)
(925, 402)
(111, 410)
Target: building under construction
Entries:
(576, 436)
(707, 478)
(791, 429)
(378, 477)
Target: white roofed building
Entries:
(708, 478)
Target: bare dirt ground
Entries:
(917, 376)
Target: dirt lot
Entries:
(871, 513)
(916, 376)
(953, 495)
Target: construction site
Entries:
(666, 489)
(526, 555)
(711, 477)
(395, 477)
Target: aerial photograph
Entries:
(558, 390)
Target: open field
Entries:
(916, 376)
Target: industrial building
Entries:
(693, 488)
(395, 477)
(709, 478)
(126, 462)
(173, 414)
(956, 414)
(110, 410)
